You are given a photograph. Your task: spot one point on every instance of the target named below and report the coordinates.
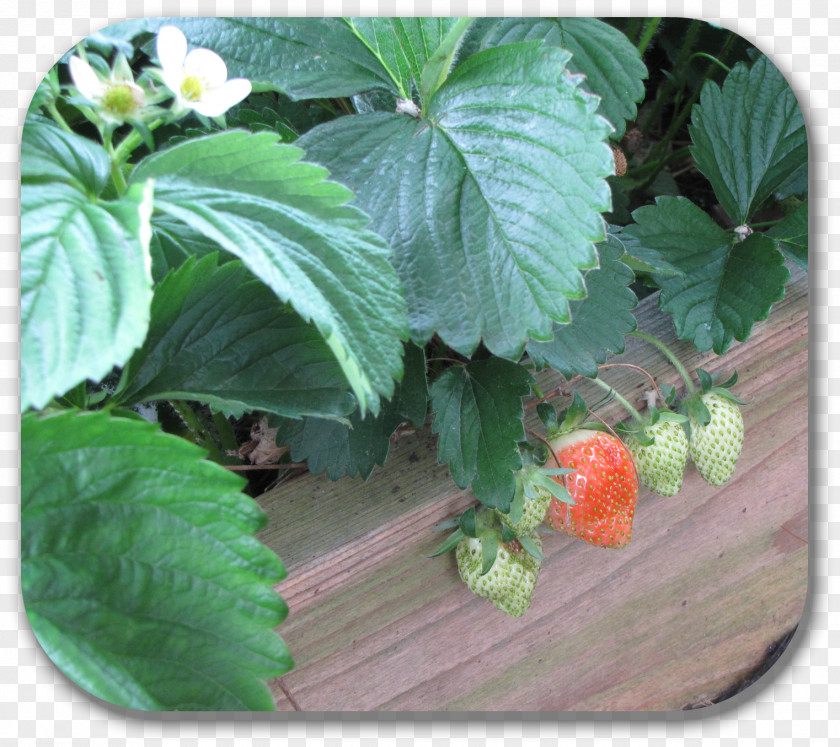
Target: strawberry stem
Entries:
(632, 410)
(640, 369)
(690, 388)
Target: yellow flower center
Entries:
(121, 99)
(193, 87)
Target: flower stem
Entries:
(627, 406)
(132, 141)
(647, 34)
(56, 115)
(116, 170)
(690, 388)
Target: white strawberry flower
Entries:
(197, 78)
(117, 98)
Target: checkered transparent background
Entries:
(794, 704)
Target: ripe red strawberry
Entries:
(604, 487)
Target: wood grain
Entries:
(712, 577)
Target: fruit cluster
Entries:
(592, 491)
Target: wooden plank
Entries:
(711, 578)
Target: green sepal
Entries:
(669, 393)
(508, 535)
(451, 523)
(730, 382)
(640, 434)
(727, 394)
(708, 384)
(671, 416)
(556, 471)
(489, 550)
(706, 381)
(548, 417)
(467, 523)
(540, 478)
(517, 504)
(450, 543)
(575, 415)
(529, 546)
(697, 410)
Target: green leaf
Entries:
(749, 137)
(305, 58)
(403, 45)
(220, 336)
(728, 285)
(141, 578)
(411, 399)
(792, 235)
(172, 243)
(256, 199)
(352, 449)
(611, 65)
(86, 285)
(478, 418)
(599, 321)
(437, 66)
(492, 205)
(117, 36)
(641, 258)
(50, 155)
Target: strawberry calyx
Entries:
(693, 404)
(640, 429)
(485, 525)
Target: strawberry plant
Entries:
(337, 228)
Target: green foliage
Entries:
(255, 198)
(141, 578)
(403, 45)
(447, 219)
(305, 58)
(478, 418)
(728, 284)
(749, 137)
(86, 285)
(611, 65)
(356, 447)
(491, 205)
(220, 336)
(792, 235)
(598, 322)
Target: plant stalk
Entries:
(192, 421)
(690, 388)
(627, 406)
(647, 34)
(664, 91)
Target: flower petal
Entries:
(206, 64)
(171, 50)
(85, 79)
(219, 100)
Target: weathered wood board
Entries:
(711, 578)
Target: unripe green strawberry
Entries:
(532, 514)
(511, 579)
(661, 464)
(715, 448)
